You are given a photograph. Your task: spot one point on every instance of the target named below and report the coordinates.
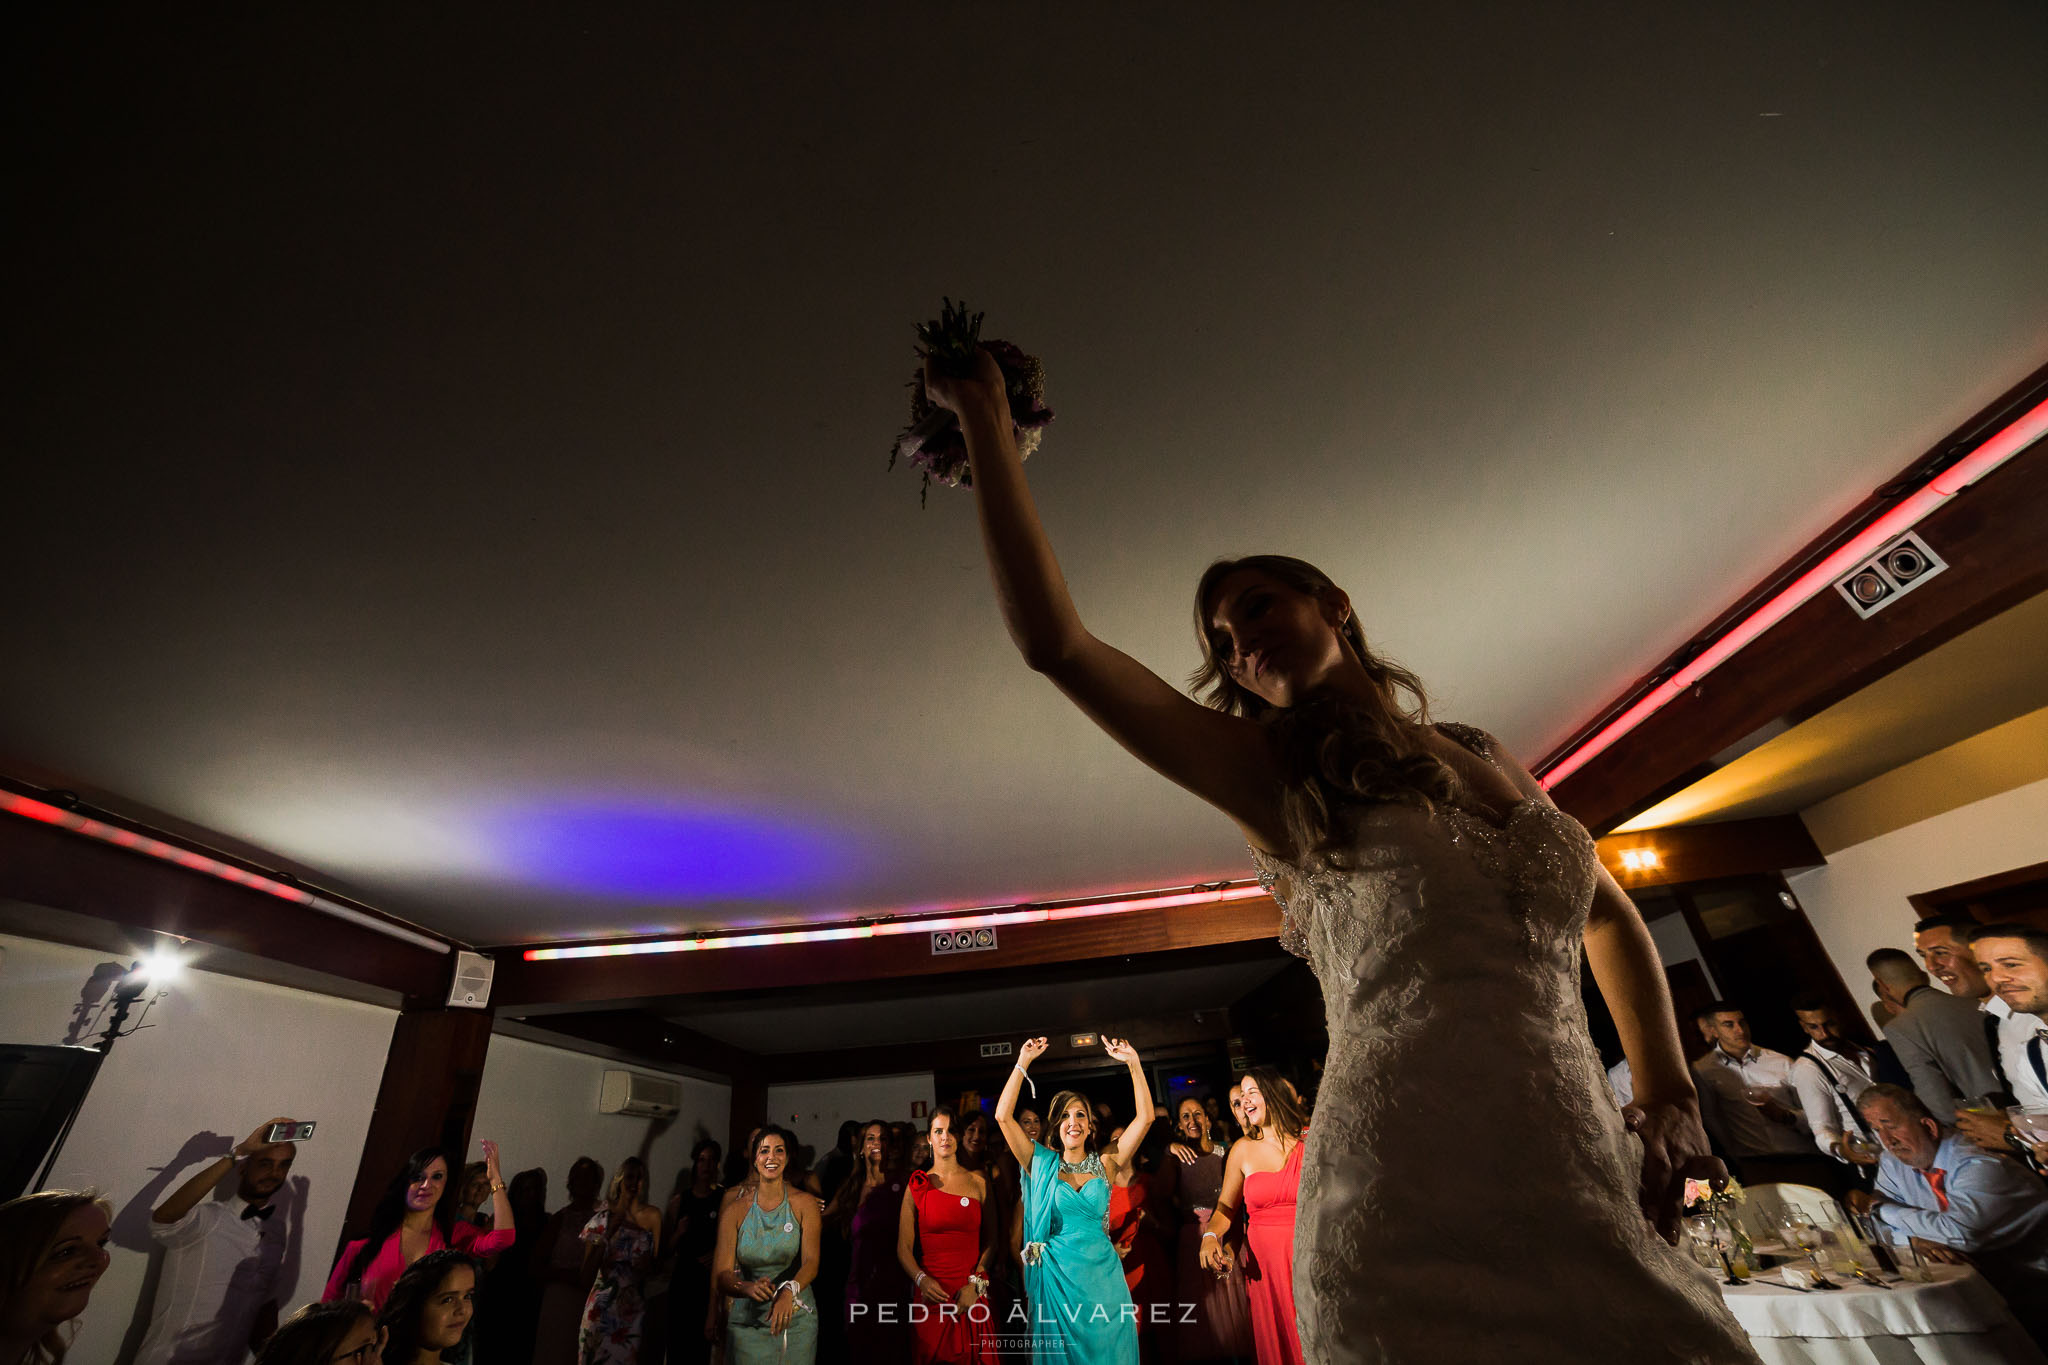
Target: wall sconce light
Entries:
(1639, 859)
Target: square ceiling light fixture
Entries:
(1888, 575)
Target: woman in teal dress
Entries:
(766, 1259)
(1080, 1311)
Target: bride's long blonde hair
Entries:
(1337, 755)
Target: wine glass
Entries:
(2032, 1128)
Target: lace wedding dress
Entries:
(1469, 1189)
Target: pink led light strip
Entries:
(975, 919)
(2029, 428)
(45, 813)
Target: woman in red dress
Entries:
(1261, 1174)
(1137, 1217)
(945, 1239)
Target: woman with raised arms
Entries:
(1445, 905)
(1081, 1310)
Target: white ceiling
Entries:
(454, 451)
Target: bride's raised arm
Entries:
(1223, 759)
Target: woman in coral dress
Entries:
(1262, 1175)
(945, 1239)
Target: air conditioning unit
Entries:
(638, 1096)
(471, 988)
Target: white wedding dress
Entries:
(1468, 1191)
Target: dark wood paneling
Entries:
(40, 865)
(1155, 1038)
(654, 1040)
(616, 981)
(1692, 853)
(426, 1099)
(1990, 536)
(2018, 896)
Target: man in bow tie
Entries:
(216, 1299)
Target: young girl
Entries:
(429, 1308)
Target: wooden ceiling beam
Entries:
(44, 866)
(1990, 537)
(1153, 1037)
(610, 982)
(1696, 853)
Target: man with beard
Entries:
(2014, 960)
(217, 1298)
(1829, 1075)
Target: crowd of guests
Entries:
(1940, 1132)
(985, 1237)
(974, 1237)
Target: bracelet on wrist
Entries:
(1018, 1067)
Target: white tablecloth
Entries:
(1957, 1319)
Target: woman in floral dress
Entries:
(619, 1242)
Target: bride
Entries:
(1469, 1189)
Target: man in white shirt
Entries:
(2014, 960)
(1750, 1105)
(216, 1299)
(1829, 1076)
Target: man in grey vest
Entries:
(1939, 1038)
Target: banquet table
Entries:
(1955, 1319)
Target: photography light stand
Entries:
(133, 985)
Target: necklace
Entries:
(1090, 1164)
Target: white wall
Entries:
(1857, 902)
(539, 1104)
(1675, 944)
(220, 1056)
(813, 1110)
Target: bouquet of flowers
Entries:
(1702, 1197)
(933, 441)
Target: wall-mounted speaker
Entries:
(471, 988)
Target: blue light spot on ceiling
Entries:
(654, 850)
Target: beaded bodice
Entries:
(1462, 1093)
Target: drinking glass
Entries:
(1912, 1266)
(2032, 1128)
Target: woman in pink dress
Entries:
(416, 1216)
(1262, 1173)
